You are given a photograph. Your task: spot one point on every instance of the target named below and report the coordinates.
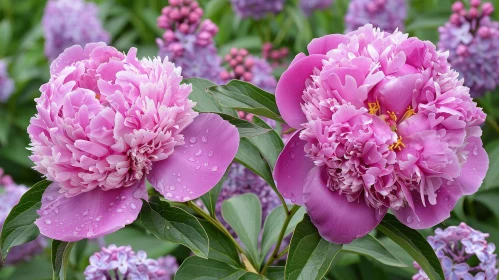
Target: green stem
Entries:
(283, 32)
(493, 123)
(283, 252)
(276, 255)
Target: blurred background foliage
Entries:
(132, 23)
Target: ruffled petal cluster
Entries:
(71, 22)
(122, 262)
(6, 83)
(472, 39)
(388, 15)
(188, 41)
(106, 121)
(310, 6)
(456, 247)
(257, 9)
(384, 123)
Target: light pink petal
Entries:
(88, 215)
(338, 220)
(324, 44)
(196, 167)
(66, 58)
(475, 167)
(292, 168)
(290, 88)
(422, 217)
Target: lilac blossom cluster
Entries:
(257, 9)
(388, 15)
(310, 6)
(6, 83)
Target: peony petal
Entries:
(89, 215)
(422, 217)
(290, 88)
(196, 167)
(292, 168)
(67, 58)
(338, 220)
(326, 43)
(297, 57)
(475, 167)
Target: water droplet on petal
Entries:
(119, 210)
(204, 139)
(127, 221)
(48, 222)
(123, 197)
(172, 188)
(111, 204)
(186, 198)
(50, 198)
(45, 212)
(178, 180)
(292, 154)
(192, 159)
(446, 198)
(169, 195)
(475, 150)
(198, 167)
(205, 164)
(193, 140)
(199, 153)
(85, 213)
(214, 169)
(410, 219)
(99, 218)
(133, 206)
(210, 154)
(449, 183)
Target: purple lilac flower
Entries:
(6, 83)
(309, 6)
(188, 41)
(123, 263)
(388, 15)
(472, 39)
(257, 9)
(71, 22)
(455, 246)
(10, 194)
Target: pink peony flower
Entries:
(384, 123)
(107, 121)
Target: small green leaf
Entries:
(371, 247)
(195, 268)
(206, 102)
(19, 227)
(413, 243)
(269, 144)
(221, 248)
(210, 198)
(249, 156)
(175, 225)
(60, 258)
(492, 178)
(246, 128)
(275, 273)
(251, 276)
(489, 198)
(246, 97)
(310, 256)
(244, 214)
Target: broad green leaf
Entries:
(246, 128)
(252, 276)
(60, 258)
(175, 225)
(246, 97)
(195, 268)
(275, 273)
(269, 144)
(249, 156)
(490, 199)
(205, 101)
(6, 31)
(19, 227)
(371, 247)
(492, 178)
(244, 214)
(210, 198)
(274, 223)
(310, 256)
(413, 243)
(221, 247)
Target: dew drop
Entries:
(192, 159)
(48, 222)
(205, 164)
(90, 234)
(169, 195)
(133, 206)
(210, 154)
(214, 169)
(410, 219)
(475, 150)
(186, 198)
(446, 198)
(293, 198)
(292, 154)
(449, 183)
(119, 210)
(207, 131)
(45, 212)
(199, 153)
(127, 221)
(85, 213)
(50, 198)
(204, 139)
(111, 204)
(123, 197)
(193, 140)
(167, 227)
(198, 167)
(172, 188)
(178, 180)
(99, 218)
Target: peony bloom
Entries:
(455, 246)
(310, 6)
(246, 67)
(70, 22)
(6, 83)
(10, 194)
(384, 123)
(123, 263)
(188, 41)
(385, 14)
(472, 39)
(107, 121)
(257, 9)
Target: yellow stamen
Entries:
(373, 107)
(392, 115)
(408, 113)
(397, 145)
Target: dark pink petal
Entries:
(290, 88)
(338, 220)
(292, 168)
(326, 43)
(297, 57)
(421, 217)
(475, 167)
(196, 167)
(90, 214)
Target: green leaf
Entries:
(275, 273)
(221, 248)
(310, 256)
(175, 225)
(19, 227)
(249, 156)
(246, 128)
(252, 276)
(492, 178)
(246, 97)
(206, 102)
(413, 243)
(371, 247)
(60, 258)
(244, 214)
(273, 225)
(489, 198)
(210, 198)
(269, 144)
(205, 269)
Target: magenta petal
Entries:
(475, 168)
(326, 43)
(297, 57)
(290, 88)
(66, 58)
(292, 168)
(88, 215)
(338, 220)
(194, 168)
(421, 216)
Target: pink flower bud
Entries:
(487, 8)
(225, 75)
(462, 50)
(457, 7)
(484, 31)
(475, 3)
(233, 51)
(239, 70)
(473, 13)
(455, 19)
(248, 76)
(243, 52)
(184, 27)
(239, 59)
(249, 62)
